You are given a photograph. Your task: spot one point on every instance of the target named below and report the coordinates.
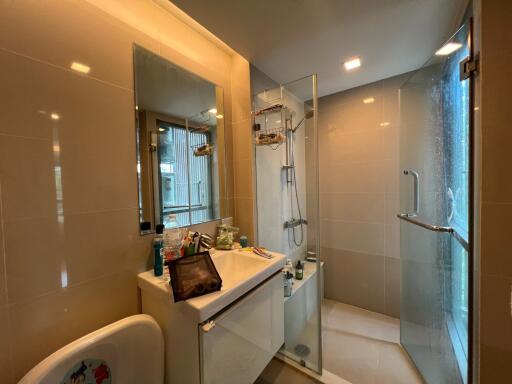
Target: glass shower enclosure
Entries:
(435, 203)
(286, 159)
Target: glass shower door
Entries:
(435, 205)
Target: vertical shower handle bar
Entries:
(416, 178)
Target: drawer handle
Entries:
(208, 326)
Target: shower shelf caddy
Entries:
(273, 132)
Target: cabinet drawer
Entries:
(239, 343)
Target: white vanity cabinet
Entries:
(238, 344)
(226, 337)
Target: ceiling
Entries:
(289, 39)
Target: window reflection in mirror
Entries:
(180, 133)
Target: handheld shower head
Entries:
(309, 114)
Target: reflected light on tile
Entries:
(369, 100)
(384, 124)
(63, 275)
(213, 110)
(79, 67)
(55, 116)
(448, 48)
(352, 64)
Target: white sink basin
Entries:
(240, 272)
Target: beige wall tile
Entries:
(114, 234)
(243, 176)
(241, 105)
(494, 365)
(28, 178)
(60, 33)
(88, 229)
(355, 278)
(242, 141)
(495, 312)
(493, 40)
(495, 218)
(244, 217)
(359, 207)
(359, 176)
(3, 279)
(353, 236)
(392, 240)
(95, 120)
(392, 272)
(41, 326)
(5, 363)
(34, 257)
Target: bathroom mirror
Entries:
(180, 144)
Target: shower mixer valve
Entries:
(292, 223)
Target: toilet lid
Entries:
(88, 371)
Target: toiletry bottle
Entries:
(287, 281)
(299, 270)
(158, 243)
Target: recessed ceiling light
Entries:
(384, 124)
(448, 48)
(368, 100)
(136, 107)
(55, 116)
(352, 64)
(219, 116)
(161, 129)
(213, 111)
(79, 67)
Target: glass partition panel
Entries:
(285, 137)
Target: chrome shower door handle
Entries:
(416, 178)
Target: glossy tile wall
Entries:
(493, 119)
(358, 146)
(69, 243)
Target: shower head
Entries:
(309, 114)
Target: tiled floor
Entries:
(363, 346)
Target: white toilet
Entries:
(128, 351)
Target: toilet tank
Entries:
(128, 351)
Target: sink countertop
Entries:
(240, 272)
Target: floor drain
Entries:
(301, 350)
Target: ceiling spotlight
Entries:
(219, 116)
(368, 100)
(213, 111)
(79, 67)
(352, 64)
(55, 116)
(384, 124)
(448, 48)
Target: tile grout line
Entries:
(8, 312)
(2, 229)
(55, 66)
